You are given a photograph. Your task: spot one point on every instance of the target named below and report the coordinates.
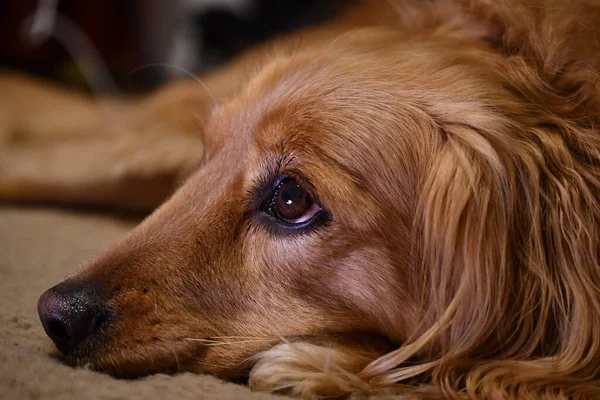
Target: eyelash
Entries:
(272, 197)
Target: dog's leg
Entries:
(62, 147)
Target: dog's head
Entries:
(382, 189)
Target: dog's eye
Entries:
(292, 203)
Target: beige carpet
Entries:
(38, 248)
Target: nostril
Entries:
(57, 331)
(97, 322)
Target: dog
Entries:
(405, 198)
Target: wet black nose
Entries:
(70, 313)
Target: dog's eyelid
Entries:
(263, 186)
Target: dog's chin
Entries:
(137, 362)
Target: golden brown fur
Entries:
(456, 145)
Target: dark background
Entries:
(131, 36)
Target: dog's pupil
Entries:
(293, 200)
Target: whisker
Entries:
(240, 341)
(211, 364)
(185, 71)
(212, 342)
(244, 337)
(199, 340)
(395, 6)
(342, 35)
(46, 22)
(176, 359)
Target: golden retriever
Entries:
(406, 198)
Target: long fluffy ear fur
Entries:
(510, 222)
(509, 225)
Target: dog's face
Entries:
(301, 223)
(432, 191)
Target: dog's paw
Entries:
(310, 371)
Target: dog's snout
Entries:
(70, 313)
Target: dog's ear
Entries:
(548, 33)
(551, 48)
(464, 228)
(508, 231)
(509, 213)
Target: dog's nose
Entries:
(70, 313)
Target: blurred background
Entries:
(125, 46)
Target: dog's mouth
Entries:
(220, 356)
(132, 361)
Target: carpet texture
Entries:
(39, 248)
